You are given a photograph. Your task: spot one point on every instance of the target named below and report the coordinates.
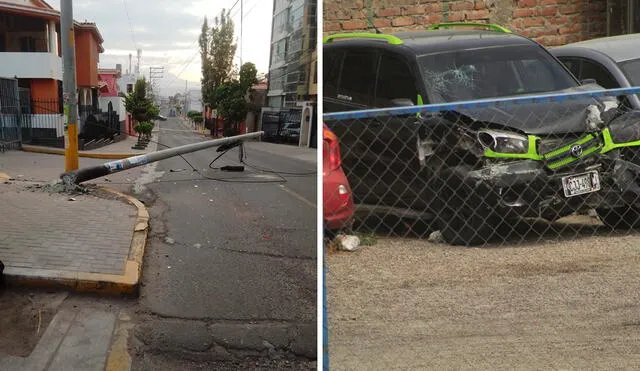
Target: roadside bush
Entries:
(144, 130)
(191, 114)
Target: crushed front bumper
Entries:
(530, 188)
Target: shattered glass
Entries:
(490, 73)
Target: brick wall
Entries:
(550, 22)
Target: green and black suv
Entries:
(470, 168)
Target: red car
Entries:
(336, 192)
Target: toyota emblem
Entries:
(576, 150)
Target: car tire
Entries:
(620, 217)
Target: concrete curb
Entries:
(106, 284)
(60, 151)
(118, 358)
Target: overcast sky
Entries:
(167, 32)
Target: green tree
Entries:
(248, 75)
(204, 41)
(232, 104)
(141, 107)
(231, 96)
(221, 51)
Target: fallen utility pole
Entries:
(82, 175)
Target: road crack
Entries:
(162, 239)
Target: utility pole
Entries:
(186, 84)
(69, 96)
(82, 175)
(155, 73)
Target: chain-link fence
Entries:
(495, 171)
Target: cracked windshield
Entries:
(158, 185)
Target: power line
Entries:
(133, 38)
(188, 60)
(249, 11)
(237, 10)
(183, 69)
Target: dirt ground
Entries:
(413, 304)
(24, 316)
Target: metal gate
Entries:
(10, 114)
(274, 122)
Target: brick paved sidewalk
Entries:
(47, 232)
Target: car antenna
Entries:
(370, 22)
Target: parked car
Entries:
(336, 192)
(290, 132)
(613, 62)
(471, 168)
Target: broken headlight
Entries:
(503, 142)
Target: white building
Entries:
(194, 101)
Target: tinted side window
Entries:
(594, 70)
(358, 77)
(332, 61)
(573, 65)
(395, 81)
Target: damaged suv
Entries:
(471, 168)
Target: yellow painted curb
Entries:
(4, 176)
(60, 151)
(107, 284)
(133, 269)
(119, 358)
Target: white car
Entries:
(290, 132)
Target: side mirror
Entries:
(588, 81)
(402, 102)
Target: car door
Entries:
(585, 68)
(349, 81)
(396, 142)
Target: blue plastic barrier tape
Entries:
(482, 103)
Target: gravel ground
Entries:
(413, 304)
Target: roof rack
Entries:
(492, 27)
(390, 39)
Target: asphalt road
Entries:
(232, 257)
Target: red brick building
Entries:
(550, 22)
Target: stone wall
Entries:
(550, 22)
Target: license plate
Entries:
(580, 184)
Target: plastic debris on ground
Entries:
(348, 243)
(436, 237)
